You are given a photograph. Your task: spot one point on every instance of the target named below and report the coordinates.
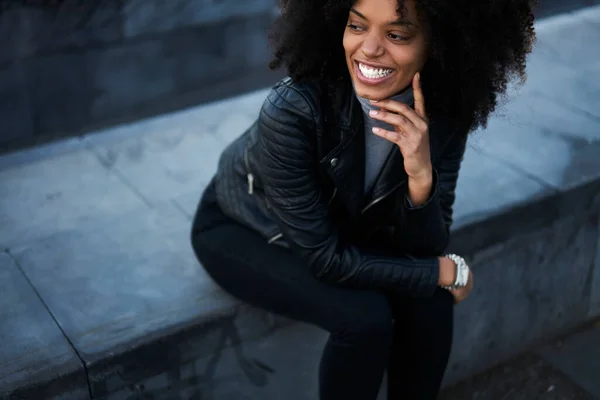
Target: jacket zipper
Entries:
(249, 174)
(380, 198)
(275, 238)
(332, 196)
(250, 177)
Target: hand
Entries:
(461, 294)
(411, 132)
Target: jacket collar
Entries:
(345, 163)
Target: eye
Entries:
(355, 28)
(397, 38)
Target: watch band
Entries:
(462, 272)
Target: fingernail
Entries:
(419, 76)
(373, 113)
(374, 101)
(376, 130)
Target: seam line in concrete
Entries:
(567, 105)
(92, 149)
(516, 168)
(180, 208)
(51, 314)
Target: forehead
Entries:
(387, 9)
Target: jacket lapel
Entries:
(391, 176)
(345, 163)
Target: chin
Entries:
(370, 93)
(373, 92)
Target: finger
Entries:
(419, 97)
(393, 137)
(396, 120)
(458, 298)
(404, 110)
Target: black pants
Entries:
(369, 331)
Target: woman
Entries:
(334, 208)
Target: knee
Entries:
(370, 323)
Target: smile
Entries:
(368, 74)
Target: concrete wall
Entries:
(534, 283)
(70, 66)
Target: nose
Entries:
(371, 46)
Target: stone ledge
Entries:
(36, 360)
(154, 324)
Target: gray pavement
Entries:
(67, 210)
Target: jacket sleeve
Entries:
(288, 173)
(426, 228)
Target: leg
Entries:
(422, 341)
(272, 278)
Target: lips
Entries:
(370, 74)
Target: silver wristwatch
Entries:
(462, 272)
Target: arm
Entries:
(427, 226)
(288, 175)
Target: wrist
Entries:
(424, 179)
(461, 271)
(419, 189)
(448, 269)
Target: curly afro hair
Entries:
(476, 47)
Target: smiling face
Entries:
(383, 51)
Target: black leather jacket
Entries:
(296, 176)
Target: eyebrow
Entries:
(400, 21)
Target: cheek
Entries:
(351, 43)
(409, 56)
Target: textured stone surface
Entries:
(591, 14)
(17, 39)
(76, 24)
(78, 73)
(60, 95)
(574, 88)
(524, 292)
(570, 46)
(27, 28)
(208, 53)
(595, 284)
(58, 194)
(254, 369)
(16, 113)
(533, 131)
(165, 160)
(503, 188)
(123, 283)
(39, 153)
(187, 204)
(164, 165)
(578, 356)
(129, 75)
(36, 360)
(151, 16)
(552, 7)
(525, 378)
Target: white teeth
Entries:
(373, 73)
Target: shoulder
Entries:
(300, 99)
(288, 125)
